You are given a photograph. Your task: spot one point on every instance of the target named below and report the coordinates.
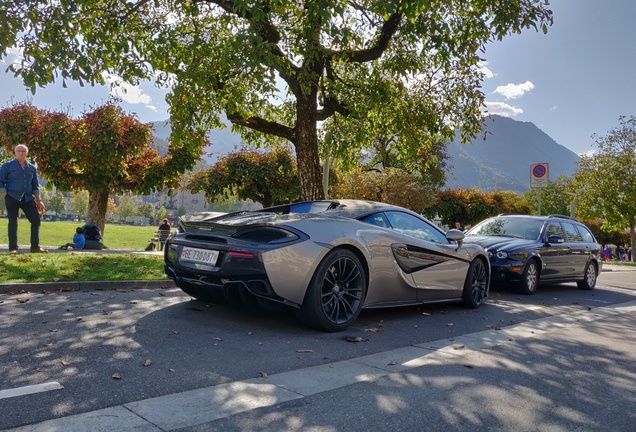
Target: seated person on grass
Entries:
(79, 241)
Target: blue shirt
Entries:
(18, 181)
(79, 241)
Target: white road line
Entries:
(37, 388)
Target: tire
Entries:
(530, 278)
(336, 292)
(589, 279)
(476, 285)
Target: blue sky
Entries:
(573, 82)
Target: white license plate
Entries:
(205, 256)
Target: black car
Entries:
(528, 250)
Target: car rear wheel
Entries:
(476, 284)
(336, 292)
(589, 280)
(530, 278)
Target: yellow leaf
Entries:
(117, 375)
(148, 362)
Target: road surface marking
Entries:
(37, 388)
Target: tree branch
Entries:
(264, 126)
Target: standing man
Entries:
(20, 190)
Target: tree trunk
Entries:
(632, 236)
(307, 148)
(97, 206)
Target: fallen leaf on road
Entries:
(46, 292)
(459, 347)
(218, 338)
(148, 362)
(449, 324)
(304, 350)
(22, 300)
(469, 366)
(117, 375)
(66, 362)
(78, 319)
(54, 330)
(392, 363)
(171, 370)
(263, 374)
(355, 339)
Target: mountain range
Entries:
(500, 157)
(497, 159)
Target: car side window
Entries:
(572, 233)
(415, 227)
(555, 229)
(378, 219)
(587, 235)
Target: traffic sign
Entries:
(539, 175)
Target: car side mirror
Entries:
(555, 239)
(455, 235)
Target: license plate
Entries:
(204, 256)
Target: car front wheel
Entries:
(336, 292)
(589, 280)
(476, 285)
(530, 278)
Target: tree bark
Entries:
(97, 206)
(307, 148)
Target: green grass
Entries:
(55, 234)
(79, 266)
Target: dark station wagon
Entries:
(529, 250)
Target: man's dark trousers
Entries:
(31, 212)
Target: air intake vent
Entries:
(206, 238)
(265, 235)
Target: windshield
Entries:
(508, 227)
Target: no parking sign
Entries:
(539, 175)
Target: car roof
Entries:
(539, 217)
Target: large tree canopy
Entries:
(408, 66)
(105, 151)
(606, 180)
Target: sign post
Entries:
(539, 176)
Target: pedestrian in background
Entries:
(164, 232)
(79, 241)
(20, 190)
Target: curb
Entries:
(46, 287)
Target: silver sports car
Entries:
(329, 264)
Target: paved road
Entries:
(559, 360)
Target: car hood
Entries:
(500, 243)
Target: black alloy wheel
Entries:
(336, 292)
(476, 284)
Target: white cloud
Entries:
(514, 91)
(14, 56)
(127, 92)
(502, 109)
(482, 66)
